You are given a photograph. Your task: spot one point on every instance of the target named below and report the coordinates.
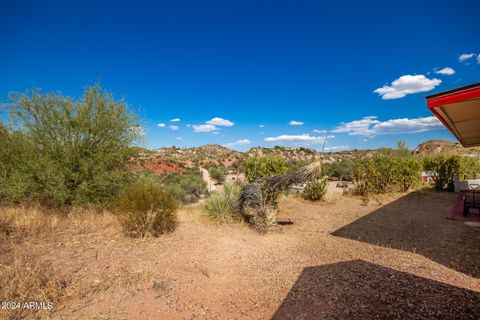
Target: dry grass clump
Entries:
(29, 279)
(145, 208)
(90, 219)
(23, 222)
(24, 276)
(30, 221)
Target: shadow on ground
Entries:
(417, 222)
(360, 290)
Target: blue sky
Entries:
(360, 70)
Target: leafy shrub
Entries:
(445, 167)
(61, 151)
(316, 189)
(374, 175)
(217, 173)
(342, 170)
(408, 172)
(262, 167)
(384, 173)
(307, 151)
(186, 187)
(146, 207)
(222, 204)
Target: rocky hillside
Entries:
(432, 147)
(305, 154)
(214, 154)
(208, 154)
(155, 164)
(171, 159)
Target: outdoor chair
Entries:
(472, 199)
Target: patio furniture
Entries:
(472, 199)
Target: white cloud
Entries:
(319, 131)
(179, 138)
(336, 148)
(478, 58)
(465, 56)
(446, 71)
(237, 143)
(174, 127)
(204, 128)
(220, 122)
(407, 84)
(306, 138)
(295, 123)
(357, 127)
(370, 126)
(175, 120)
(407, 125)
(161, 125)
(261, 126)
(189, 125)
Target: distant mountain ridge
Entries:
(215, 154)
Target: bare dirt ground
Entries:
(211, 186)
(394, 257)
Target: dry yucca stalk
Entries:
(284, 181)
(257, 201)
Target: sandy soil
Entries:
(394, 257)
(211, 186)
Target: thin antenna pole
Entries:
(325, 142)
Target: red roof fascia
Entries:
(452, 98)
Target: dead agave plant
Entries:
(257, 203)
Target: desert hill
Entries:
(432, 147)
(214, 154)
(172, 159)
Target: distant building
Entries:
(297, 188)
(428, 177)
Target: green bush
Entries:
(262, 167)
(307, 151)
(187, 187)
(408, 173)
(342, 170)
(384, 173)
(445, 167)
(222, 204)
(146, 207)
(257, 167)
(61, 151)
(315, 190)
(217, 174)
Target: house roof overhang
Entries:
(459, 111)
